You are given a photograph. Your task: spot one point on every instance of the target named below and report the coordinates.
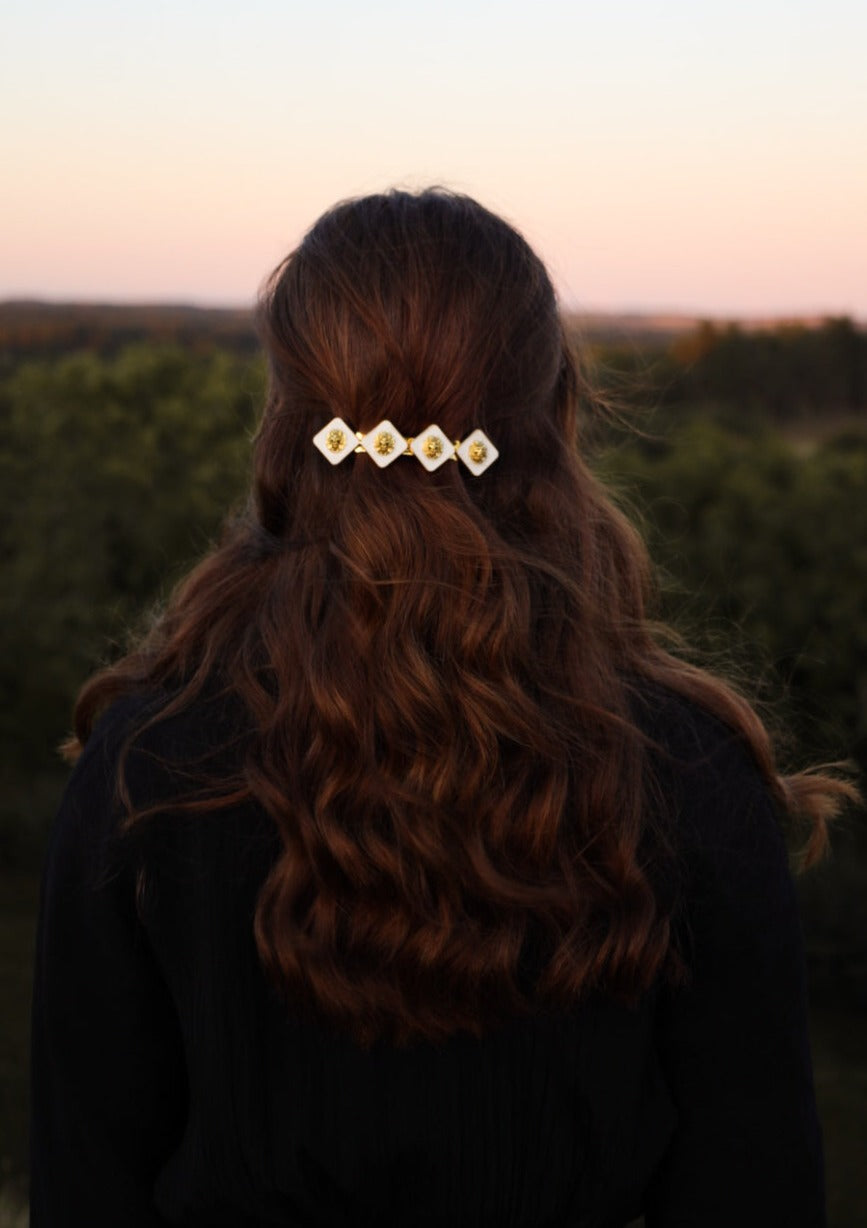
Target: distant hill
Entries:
(29, 326)
(32, 328)
(659, 328)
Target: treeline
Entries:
(761, 558)
(785, 373)
(33, 329)
(116, 471)
(114, 474)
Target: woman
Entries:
(403, 877)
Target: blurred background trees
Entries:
(114, 473)
(124, 441)
(747, 471)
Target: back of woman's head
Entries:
(417, 309)
(424, 309)
(439, 670)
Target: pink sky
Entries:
(658, 157)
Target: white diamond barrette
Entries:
(385, 444)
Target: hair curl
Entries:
(437, 669)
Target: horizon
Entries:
(663, 318)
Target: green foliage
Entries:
(114, 475)
(784, 375)
(31, 329)
(770, 546)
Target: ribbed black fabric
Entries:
(170, 1088)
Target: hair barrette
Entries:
(385, 444)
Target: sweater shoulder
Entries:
(707, 775)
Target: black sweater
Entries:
(170, 1087)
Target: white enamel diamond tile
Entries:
(384, 443)
(477, 452)
(432, 447)
(335, 441)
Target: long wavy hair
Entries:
(438, 670)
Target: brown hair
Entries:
(438, 669)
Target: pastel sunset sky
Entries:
(660, 156)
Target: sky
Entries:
(668, 157)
